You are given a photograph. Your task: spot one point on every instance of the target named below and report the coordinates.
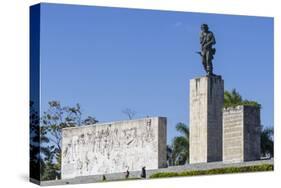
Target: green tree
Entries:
(48, 168)
(53, 121)
(34, 142)
(267, 142)
(37, 136)
(169, 152)
(180, 145)
(89, 121)
(45, 151)
(233, 98)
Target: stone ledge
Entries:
(136, 174)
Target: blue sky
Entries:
(109, 59)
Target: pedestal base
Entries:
(206, 104)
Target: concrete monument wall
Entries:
(241, 134)
(114, 147)
(206, 103)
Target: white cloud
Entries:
(178, 24)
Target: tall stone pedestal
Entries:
(206, 104)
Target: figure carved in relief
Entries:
(149, 131)
(130, 135)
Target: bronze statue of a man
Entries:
(207, 40)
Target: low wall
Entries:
(114, 147)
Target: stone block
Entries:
(241, 133)
(206, 103)
(114, 147)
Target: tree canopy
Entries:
(267, 146)
(52, 122)
(233, 98)
(180, 146)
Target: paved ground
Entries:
(136, 174)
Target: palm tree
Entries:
(169, 152)
(267, 142)
(180, 145)
(232, 98)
